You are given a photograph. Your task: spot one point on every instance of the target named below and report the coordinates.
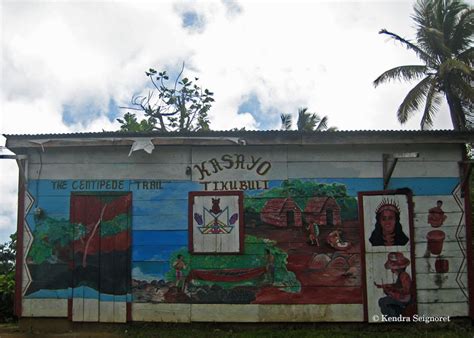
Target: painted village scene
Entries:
(300, 244)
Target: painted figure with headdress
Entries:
(388, 230)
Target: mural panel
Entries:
(215, 222)
(300, 242)
(301, 246)
(389, 262)
(85, 257)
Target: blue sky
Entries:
(67, 66)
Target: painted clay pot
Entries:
(435, 241)
(441, 265)
(436, 217)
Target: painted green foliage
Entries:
(301, 191)
(53, 235)
(49, 235)
(253, 257)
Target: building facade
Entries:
(243, 226)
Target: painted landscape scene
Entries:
(301, 246)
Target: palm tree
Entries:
(306, 121)
(444, 36)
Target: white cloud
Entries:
(139, 275)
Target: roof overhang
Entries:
(243, 138)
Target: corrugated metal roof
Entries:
(232, 137)
(237, 133)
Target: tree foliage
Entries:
(130, 123)
(181, 105)
(7, 278)
(444, 33)
(7, 255)
(306, 121)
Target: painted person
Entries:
(388, 230)
(436, 216)
(179, 265)
(336, 240)
(269, 266)
(313, 228)
(398, 294)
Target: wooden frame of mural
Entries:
(222, 221)
(469, 236)
(19, 242)
(387, 241)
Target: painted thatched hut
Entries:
(323, 210)
(282, 212)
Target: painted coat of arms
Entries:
(215, 222)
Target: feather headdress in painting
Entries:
(388, 204)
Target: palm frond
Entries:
(410, 46)
(432, 105)
(286, 121)
(302, 110)
(467, 56)
(413, 100)
(305, 121)
(433, 40)
(463, 31)
(453, 65)
(463, 89)
(443, 25)
(323, 124)
(445, 31)
(408, 73)
(423, 10)
(312, 121)
(426, 13)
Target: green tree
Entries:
(180, 106)
(444, 32)
(7, 278)
(306, 121)
(130, 123)
(7, 255)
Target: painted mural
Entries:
(216, 222)
(397, 295)
(301, 245)
(435, 238)
(90, 250)
(441, 267)
(388, 250)
(387, 229)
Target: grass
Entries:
(462, 328)
(456, 328)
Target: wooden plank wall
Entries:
(442, 293)
(431, 176)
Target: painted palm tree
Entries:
(306, 121)
(444, 38)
